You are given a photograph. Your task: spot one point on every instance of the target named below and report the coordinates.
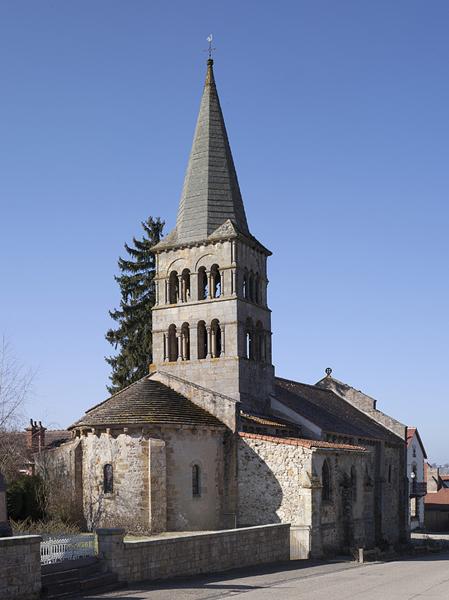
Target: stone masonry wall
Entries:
(274, 481)
(20, 567)
(193, 554)
(129, 501)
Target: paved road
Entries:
(418, 578)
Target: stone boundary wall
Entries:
(208, 552)
(20, 567)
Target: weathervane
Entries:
(209, 38)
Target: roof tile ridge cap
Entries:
(195, 385)
(114, 395)
(310, 385)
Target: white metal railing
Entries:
(59, 548)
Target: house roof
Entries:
(147, 402)
(437, 499)
(302, 442)
(329, 411)
(411, 432)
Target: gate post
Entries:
(111, 550)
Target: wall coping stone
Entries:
(203, 535)
(17, 540)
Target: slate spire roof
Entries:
(211, 193)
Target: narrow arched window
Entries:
(257, 289)
(173, 288)
(108, 479)
(185, 285)
(245, 286)
(353, 484)
(326, 492)
(185, 342)
(196, 481)
(215, 339)
(202, 284)
(260, 342)
(249, 339)
(172, 344)
(251, 287)
(215, 281)
(202, 339)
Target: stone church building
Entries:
(211, 438)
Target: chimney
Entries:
(35, 437)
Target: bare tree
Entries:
(15, 387)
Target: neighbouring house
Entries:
(211, 438)
(18, 448)
(436, 502)
(416, 459)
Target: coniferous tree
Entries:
(133, 318)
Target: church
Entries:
(211, 439)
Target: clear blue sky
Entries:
(337, 114)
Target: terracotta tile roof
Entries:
(147, 402)
(440, 498)
(328, 411)
(301, 442)
(444, 477)
(269, 421)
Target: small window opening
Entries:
(196, 483)
(108, 483)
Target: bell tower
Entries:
(211, 322)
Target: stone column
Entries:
(222, 283)
(213, 338)
(209, 341)
(178, 342)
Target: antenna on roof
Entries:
(328, 371)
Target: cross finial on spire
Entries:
(209, 38)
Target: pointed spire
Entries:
(211, 193)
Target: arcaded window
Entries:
(326, 492)
(202, 339)
(173, 288)
(172, 344)
(215, 338)
(108, 480)
(196, 481)
(202, 284)
(215, 281)
(185, 285)
(185, 342)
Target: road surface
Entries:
(417, 578)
